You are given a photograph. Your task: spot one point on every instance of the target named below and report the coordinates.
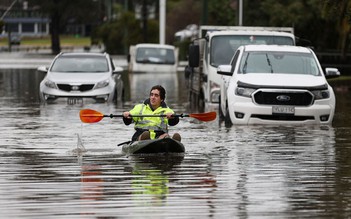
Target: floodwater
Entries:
(54, 166)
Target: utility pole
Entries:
(241, 12)
(162, 21)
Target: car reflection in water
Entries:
(141, 84)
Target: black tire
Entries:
(227, 122)
(220, 112)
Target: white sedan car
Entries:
(75, 76)
(270, 84)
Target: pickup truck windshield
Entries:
(278, 63)
(155, 56)
(223, 47)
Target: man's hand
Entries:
(169, 115)
(127, 115)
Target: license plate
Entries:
(283, 110)
(74, 100)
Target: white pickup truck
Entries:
(147, 57)
(277, 85)
(216, 46)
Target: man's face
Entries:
(155, 98)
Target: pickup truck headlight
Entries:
(320, 94)
(102, 84)
(243, 91)
(50, 84)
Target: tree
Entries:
(222, 12)
(340, 12)
(119, 34)
(61, 12)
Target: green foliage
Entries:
(118, 35)
(221, 12)
(308, 17)
(325, 23)
(153, 31)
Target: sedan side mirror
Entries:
(117, 70)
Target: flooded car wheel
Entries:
(228, 123)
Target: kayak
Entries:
(163, 145)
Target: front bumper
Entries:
(246, 112)
(105, 94)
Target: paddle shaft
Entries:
(91, 116)
(177, 115)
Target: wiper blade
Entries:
(245, 64)
(269, 63)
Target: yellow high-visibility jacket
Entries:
(155, 125)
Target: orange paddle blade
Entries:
(90, 116)
(205, 117)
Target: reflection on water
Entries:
(53, 166)
(20, 85)
(141, 84)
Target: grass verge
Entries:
(65, 40)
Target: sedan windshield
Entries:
(78, 64)
(279, 62)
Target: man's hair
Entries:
(161, 90)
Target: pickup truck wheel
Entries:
(227, 122)
(220, 111)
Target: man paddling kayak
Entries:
(152, 127)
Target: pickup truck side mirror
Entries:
(332, 73)
(225, 70)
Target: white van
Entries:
(147, 57)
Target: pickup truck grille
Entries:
(68, 88)
(303, 98)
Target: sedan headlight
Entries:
(243, 91)
(102, 84)
(321, 94)
(50, 84)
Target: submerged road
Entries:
(54, 166)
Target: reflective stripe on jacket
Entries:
(151, 123)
